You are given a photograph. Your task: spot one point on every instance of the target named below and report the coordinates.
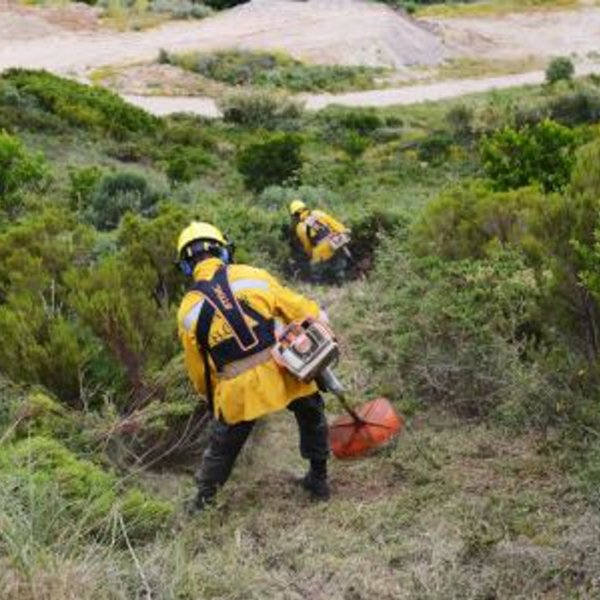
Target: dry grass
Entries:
(451, 511)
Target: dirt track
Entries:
(328, 31)
(163, 105)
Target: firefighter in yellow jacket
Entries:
(227, 324)
(323, 240)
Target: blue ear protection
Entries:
(186, 265)
(186, 268)
(225, 255)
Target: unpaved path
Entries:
(207, 107)
(327, 31)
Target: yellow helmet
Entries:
(198, 231)
(297, 206)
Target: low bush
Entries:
(336, 122)
(542, 153)
(472, 220)
(454, 335)
(181, 9)
(460, 120)
(184, 164)
(87, 498)
(435, 148)
(576, 108)
(560, 69)
(275, 160)
(119, 193)
(79, 105)
(274, 70)
(260, 109)
(20, 172)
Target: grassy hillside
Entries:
(474, 308)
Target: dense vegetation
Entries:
(274, 71)
(477, 235)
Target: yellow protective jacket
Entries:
(263, 388)
(321, 251)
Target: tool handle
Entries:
(331, 382)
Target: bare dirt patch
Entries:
(156, 80)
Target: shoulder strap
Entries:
(220, 297)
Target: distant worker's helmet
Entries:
(297, 207)
(197, 231)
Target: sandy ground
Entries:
(525, 34)
(326, 31)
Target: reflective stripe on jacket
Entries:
(316, 243)
(264, 302)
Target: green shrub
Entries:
(454, 334)
(460, 120)
(83, 182)
(560, 69)
(88, 496)
(119, 193)
(42, 342)
(181, 9)
(79, 105)
(435, 148)
(185, 164)
(20, 172)
(542, 153)
(260, 109)
(335, 123)
(471, 220)
(576, 108)
(273, 70)
(275, 160)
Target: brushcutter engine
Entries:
(306, 348)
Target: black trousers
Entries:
(226, 441)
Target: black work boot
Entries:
(203, 499)
(315, 481)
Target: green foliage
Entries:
(460, 120)
(79, 105)
(273, 70)
(470, 221)
(82, 183)
(119, 193)
(335, 123)
(454, 334)
(560, 69)
(576, 108)
(275, 160)
(435, 148)
(185, 164)
(542, 153)
(181, 9)
(260, 109)
(89, 495)
(20, 172)
(45, 344)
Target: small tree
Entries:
(560, 69)
(274, 161)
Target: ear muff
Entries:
(225, 256)
(186, 268)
